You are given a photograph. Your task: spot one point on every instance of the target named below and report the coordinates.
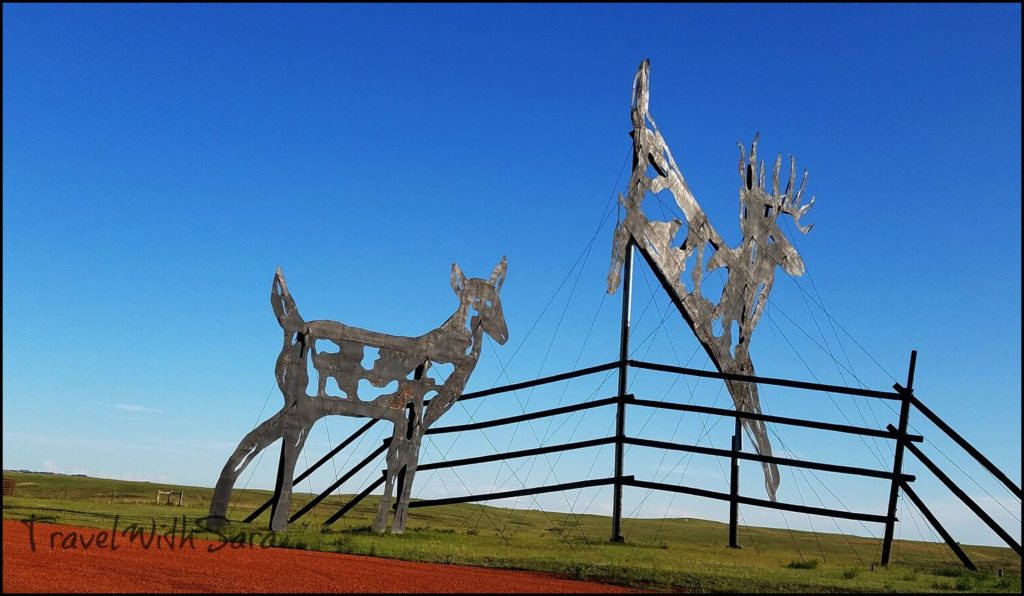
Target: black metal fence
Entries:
(623, 401)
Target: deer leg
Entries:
(252, 444)
(745, 397)
(759, 433)
(294, 437)
(404, 491)
(381, 522)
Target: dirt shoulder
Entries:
(56, 558)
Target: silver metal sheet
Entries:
(749, 267)
(400, 360)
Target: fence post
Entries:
(734, 485)
(897, 466)
(620, 408)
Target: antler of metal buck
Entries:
(790, 203)
(787, 202)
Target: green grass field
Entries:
(669, 555)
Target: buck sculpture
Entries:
(750, 266)
(401, 360)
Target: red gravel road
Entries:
(129, 567)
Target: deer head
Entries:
(760, 210)
(482, 295)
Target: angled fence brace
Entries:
(337, 483)
(252, 516)
(971, 504)
(962, 442)
(355, 500)
(953, 545)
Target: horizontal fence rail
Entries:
(519, 493)
(720, 496)
(514, 454)
(524, 417)
(541, 381)
(696, 372)
(783, 461)
(856, 430)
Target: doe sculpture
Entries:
(401, 360)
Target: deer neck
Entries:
(457, 321)
(468, 328)
(456, 325)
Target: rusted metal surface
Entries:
(402, 361)
(684, 252)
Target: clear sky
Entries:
(160, 161)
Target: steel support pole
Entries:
(905, 395)
(734, 485)
(620, 414)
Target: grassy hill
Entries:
(670, 554)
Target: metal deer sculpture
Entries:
(750, 267)
(404, 360)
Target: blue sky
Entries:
(161, 161)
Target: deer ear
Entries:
(458, 279)
(498, 275)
